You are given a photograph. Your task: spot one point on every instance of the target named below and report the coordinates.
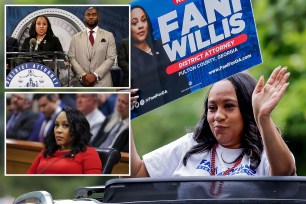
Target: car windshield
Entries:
(186, 189)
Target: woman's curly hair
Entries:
(79, 132)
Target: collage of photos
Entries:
(154, 101)
(85, 131)
(66, 46)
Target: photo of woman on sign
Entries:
(148, 67)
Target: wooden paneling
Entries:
(123, 166)
(20, 155)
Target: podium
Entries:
(58, 62)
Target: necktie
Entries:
(112, 134)
(12, 121)
(42, 131)
(91, 38)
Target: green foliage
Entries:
(165, 124)
(282, 34)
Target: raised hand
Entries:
(266, 96)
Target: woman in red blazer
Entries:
(66, 147)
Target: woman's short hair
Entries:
(79, 132)
(252, 143)
(32, 30)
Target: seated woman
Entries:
(235, 136)
(66, 148)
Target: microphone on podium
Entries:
(32, 43)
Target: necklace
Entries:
(149, 51)
(40, 38)
(229, 162)
(213, 173)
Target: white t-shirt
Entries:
(167, 161)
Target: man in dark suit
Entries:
(123, 62)
(92, 53)
(114, 131)
(49, 108)
(20, 122)
(11, 46)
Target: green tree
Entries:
(282, 35)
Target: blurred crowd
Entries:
(31, 116)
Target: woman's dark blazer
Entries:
(47, 44)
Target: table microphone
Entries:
(32, 43)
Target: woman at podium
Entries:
(42, 46)
(41, 37)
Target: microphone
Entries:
(32, 43)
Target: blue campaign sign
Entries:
(182, 46)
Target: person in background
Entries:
(123, 62)
(9, 106)
(114, 131)
(107, 103)
(66, 147)
(12, 45)
(49, 108)
(92, 53)
(235, 136)
(21, 120)
(88, 105)
(67, 100)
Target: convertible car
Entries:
(184, 190)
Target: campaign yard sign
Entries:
(189, 44)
